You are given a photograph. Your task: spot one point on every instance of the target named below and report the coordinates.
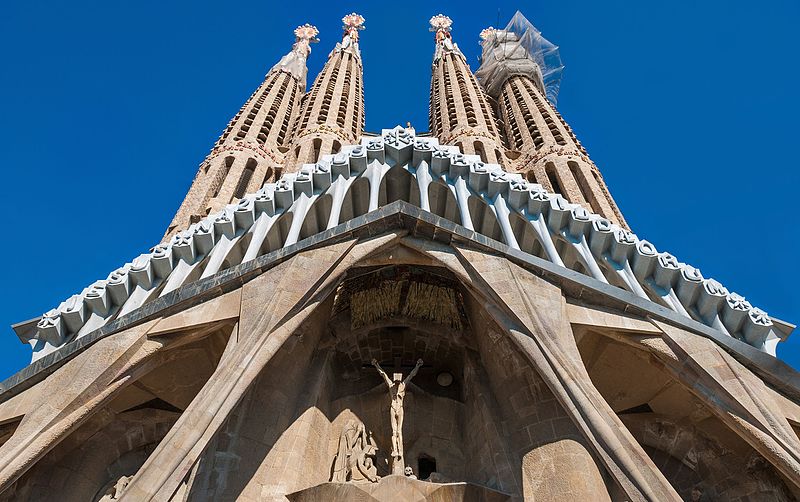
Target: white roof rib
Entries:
(401, 166)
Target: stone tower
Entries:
(460, 113)
(402, 320)
(332, 113)
(541, 145)
(251, 150)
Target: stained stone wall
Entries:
(694, 461)
(489, 460)
(117, 439)
(95, 457)
(434, 416)
(238, 388)
(691, 447)
(432, 427)
(284, 434)
(541, 437)
(274, 441)
(494, 417)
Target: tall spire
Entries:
(440, 25)
(520, 69)
(460, 112)
(332, 113)
(251, 149)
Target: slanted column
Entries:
(251, 150)
(332, 113)
(531, 312)
(460, 113)
(541, 145)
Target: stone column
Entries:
(273, 306)
(532, 314)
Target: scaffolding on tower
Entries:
(519, 49)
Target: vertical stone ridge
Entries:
(250, 151)
(460, 113)
(541, 145)
(332, 113)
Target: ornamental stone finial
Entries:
(486, 33)
(305, 35)
(353, 23)
(307, 32)
(441, 25)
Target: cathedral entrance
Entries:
(401, 386)
(394, 330)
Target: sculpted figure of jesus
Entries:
(397, 392)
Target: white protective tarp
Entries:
(517, 49)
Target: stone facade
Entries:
(545, 352)
(241, 398)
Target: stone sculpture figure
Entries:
(115, 492)
(355, 456)
(397, 392)
(362, 459)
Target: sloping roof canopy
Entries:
(439, 179)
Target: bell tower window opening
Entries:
(552, 177)
(480, 151)
(244, 181)
(317, 147)
(583, 186)
(220, 177)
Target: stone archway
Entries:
(86, 464)
(699, 467)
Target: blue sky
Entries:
(688, 108)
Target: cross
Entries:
(396, 365)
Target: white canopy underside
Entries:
(437, 178)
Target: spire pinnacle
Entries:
(487, 33)
(353, 23)
(305, 35)
(294, 63)
(441, 25)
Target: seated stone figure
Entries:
(355, 457)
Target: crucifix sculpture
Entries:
(397, 392)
